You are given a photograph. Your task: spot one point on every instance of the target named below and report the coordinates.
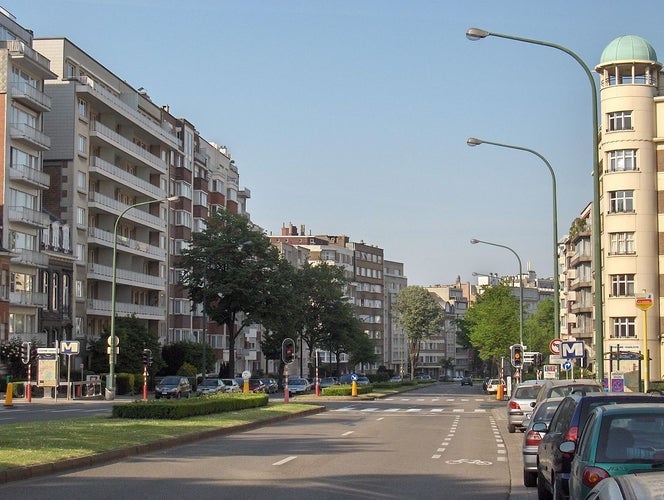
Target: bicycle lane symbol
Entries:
(468, 461)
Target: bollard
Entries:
(353, 389)
(8, 396)
(499, 392)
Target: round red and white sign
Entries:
(554, 346)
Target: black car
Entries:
(467, 381)
(173, 386)
(553, 466)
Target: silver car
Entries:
(519, 405)
(543, 413)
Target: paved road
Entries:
(438, 441)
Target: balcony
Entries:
(117, 174)
(29, 175)
(125, 277)
(163, 133)
(106, 238)
(578, 258)
(32, 299)
(118, 141)
(32, 97)
(28, 216)
(137, 215)
(25, 56)
(103, 308)
(26, 134)
(30, 258)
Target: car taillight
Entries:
(514, 405)
(533, 438)
(593, 475)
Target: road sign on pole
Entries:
(554, 346)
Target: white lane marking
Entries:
(285, 460)
(380, 418)
(435, 456)
(441, 449)
(480, 410)
(414, 409)
(392, 410)
(347, 433)
(501, 459)
(458, 410)
(370, 409)
(436, 410)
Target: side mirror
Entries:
(533, 404)
(567, 447)
(540, 427)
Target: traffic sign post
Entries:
(644, 301)
(554, 346)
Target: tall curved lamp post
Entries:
(110, 383)
(477, 34)
(472, 141)
(474, 242)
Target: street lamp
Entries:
(472, 141)
(110, 383)
(475, 241)
(477, 34)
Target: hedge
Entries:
(346, 390)
(183, 408)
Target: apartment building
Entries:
(632, 197)
(395, 345)
(36, 286)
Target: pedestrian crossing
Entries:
(361, 409)
(418, 405)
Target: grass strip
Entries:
(34, 443)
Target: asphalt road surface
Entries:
(442, 441)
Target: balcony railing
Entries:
(128, 146)
(106, 237)
(19, 50)
(29, 216)
(29, 95)
(35, 299)
(120, 175)
(30, 175)
(103, 308)
(137, 215)
(163, 133)
(27, 134)
(30, 258)
(99, 271)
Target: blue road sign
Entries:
(567, 366)
(353, 377)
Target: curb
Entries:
(33, 471)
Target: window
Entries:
(623, 327)
(82, 108)
(622, 285)
(81, 181)
(80, 216)
(622, 243)
(82, 145)
(79, 289)
(620, 120)
(621, 201)
(622, 160)
(80, 251)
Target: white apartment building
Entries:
(395, 345)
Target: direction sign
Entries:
(70, 347)
(571, 349)
(554, 346)
(567, 366)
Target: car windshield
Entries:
(170, 381)
(526, 392)
(297, 381)
(211, 383)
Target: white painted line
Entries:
(392, 409)
(380, 418)
(450, 399)
(480, 410)
(435, 456)
(347, 433)
(465, 399)
(500, 445)
(502, 451)
(414, 409)
(502, 459)
(285, 460)
(370, 409)
(441, 449)
(435, 399)
(458, 410)
(436, 410)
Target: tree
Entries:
(539, 328)
(186, 352)
(492, 322)
(420, 316)
(231, 268)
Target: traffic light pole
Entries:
(286, 384)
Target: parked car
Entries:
(396, 379)
(617, 440)
(542, 413)
(492, 386)
(231, 385)
(211, 386)
(298, 385)
(561, 388)
(361, 380)
(423, 377)
(519, 405)
(257, 385)
(328, 382)
(467, 381)
(271, 386)
(173, 386)
(629, 487)
(553, 467)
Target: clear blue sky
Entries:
(351, 116)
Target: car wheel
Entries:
(542, 492)
(511, 428)
(529, 478)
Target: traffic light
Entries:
(147, 357)
(516, 352)
(25, 352)
(288, 351)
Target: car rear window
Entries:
(526, 392)
(569, 389)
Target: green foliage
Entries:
(492, 322)
(420, 316)
(538, 329)
(126, 383)
(346, 390)
(186, 351)
(187, 370)
(10, 353)
(178, 409)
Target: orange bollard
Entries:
(499, 392)
(353, 389)
(9, 394)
